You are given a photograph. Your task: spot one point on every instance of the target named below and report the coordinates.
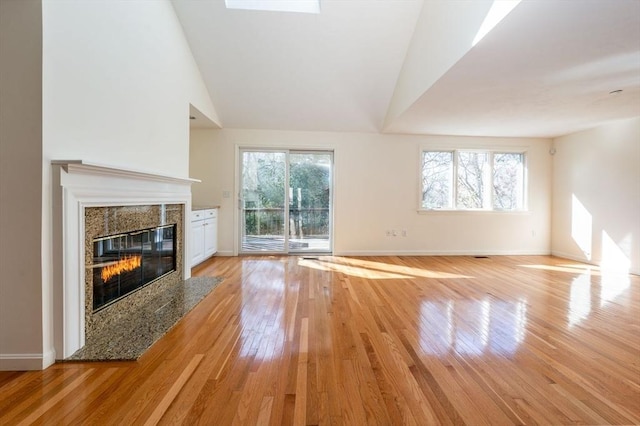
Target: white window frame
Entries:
(488, 201)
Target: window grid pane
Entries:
(508, 181)
(437, 175)
(472, 179)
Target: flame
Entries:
(123, 265)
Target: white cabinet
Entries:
(204, 234)
(197, 242)
(210, 237)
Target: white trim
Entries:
(48, 358)
(474, 212)
(442, 253)
(81, 166)
(287, 150)
(491, 150)
(571, 257)
(473, 144)
(236, 203)
(563, 255)
(76, 186)
(26, 362)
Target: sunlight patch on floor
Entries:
(373, 270)
(580, 299)
(592, 270)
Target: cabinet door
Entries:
(210, 237)
(197, 242)
(215, 235)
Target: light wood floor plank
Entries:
(161, 408)
(373, 340)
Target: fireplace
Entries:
(132, 253)
(93, 203)
(126, 262)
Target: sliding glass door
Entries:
(310, 201)
(263, 213)
(285, 204)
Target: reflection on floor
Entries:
(275, 244)
(369, 340)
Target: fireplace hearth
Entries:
(126, 262)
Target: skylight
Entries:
(299, 6)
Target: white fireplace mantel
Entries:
(76, 185)
(87, 168)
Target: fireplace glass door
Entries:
(126, 262)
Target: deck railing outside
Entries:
(303, 223)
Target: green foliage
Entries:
(313, 180)
(309, 193)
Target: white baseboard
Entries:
(634, 271)
(49, 358)
(26, 362)
(441, 253)
(571, 257)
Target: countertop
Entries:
(213, 206)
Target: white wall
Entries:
(103, 81)
(20, 184)
(596, 195)
(118, 80)
(376, 188)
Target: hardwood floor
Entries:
(356, 341)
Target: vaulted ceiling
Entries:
(408, 66)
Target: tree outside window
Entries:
(473, 180)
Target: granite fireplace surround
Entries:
(104, 221)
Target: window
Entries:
(300, 6)
(473, 180)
